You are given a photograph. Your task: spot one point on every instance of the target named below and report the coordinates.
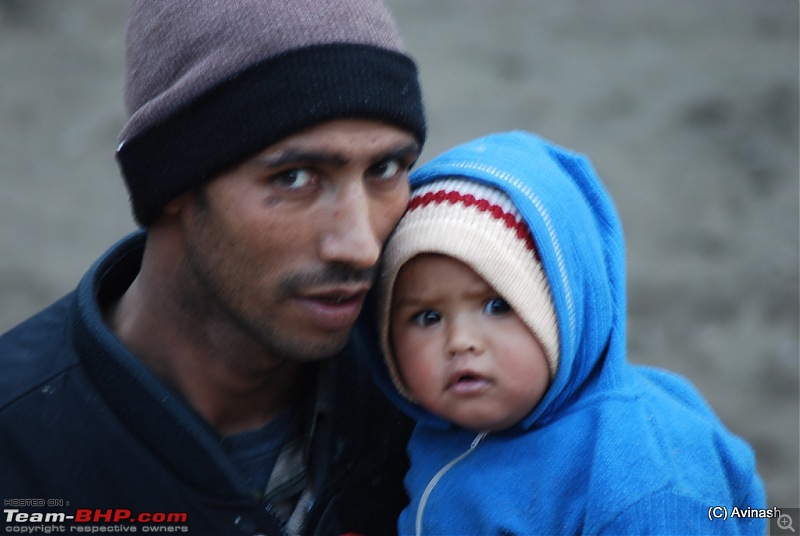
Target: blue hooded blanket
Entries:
(612, 448)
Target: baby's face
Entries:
(461, 351)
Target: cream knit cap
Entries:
(479, 226)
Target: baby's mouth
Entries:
(468, 383)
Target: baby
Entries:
(503, 315)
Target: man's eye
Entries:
(386, 170)
(294, 179)
(497, 306)
(426, 318)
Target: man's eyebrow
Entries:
(297, 157)
(290, 157)
(410, 150)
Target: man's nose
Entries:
(349, 235)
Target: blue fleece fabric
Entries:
(612, 448)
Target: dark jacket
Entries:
(85, 425)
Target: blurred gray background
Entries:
(688, 108)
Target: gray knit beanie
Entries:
(211, 83)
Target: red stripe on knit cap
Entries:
(482, 205)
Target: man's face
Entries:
(283, 248)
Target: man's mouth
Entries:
(333, 309)
(333, 300)
(338, 295)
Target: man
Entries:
(203, 374)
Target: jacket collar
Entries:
(157, 416)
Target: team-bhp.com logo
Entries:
(86, 519)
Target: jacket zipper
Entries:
(435, 480)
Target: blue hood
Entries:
(612, 447)
(579, 238)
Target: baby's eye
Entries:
(426, 318)
(497, 306)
